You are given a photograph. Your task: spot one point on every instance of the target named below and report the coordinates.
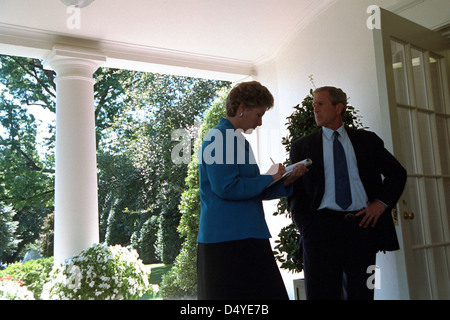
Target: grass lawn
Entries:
(157, 271)
(156, 274)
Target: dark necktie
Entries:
(342, 183)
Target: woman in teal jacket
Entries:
(235, 259)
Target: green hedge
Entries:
(33, 274)
(181, 281)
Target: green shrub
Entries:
(100, 272)
(33, 274)
(181, 281)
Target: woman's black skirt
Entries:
(239, 270)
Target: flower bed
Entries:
(100, 272)
(11, 289)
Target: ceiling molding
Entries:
(404, 5)
(444, 30)
(26, 31)
(20, 41)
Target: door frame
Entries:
(396, 27)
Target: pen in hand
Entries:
(277, 170)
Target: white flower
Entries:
(11, 289)
(119, 266)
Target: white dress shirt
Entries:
(359, 196)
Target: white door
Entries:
(419, 108)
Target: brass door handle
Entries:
(408, 215)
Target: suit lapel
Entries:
(315, 149)
(354, 139)
(361, 153)
(358, 147)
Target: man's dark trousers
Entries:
(337, 253)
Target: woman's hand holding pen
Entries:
(277, 171)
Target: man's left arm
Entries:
(392, 186)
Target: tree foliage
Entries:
(26, 178)
(8, 242)
(139, 185)
(181, 281)
(157, 105)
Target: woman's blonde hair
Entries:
(252, 94)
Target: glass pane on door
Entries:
(412, 197)
(408, 158)
(426, 143)
(399, 67)
(439, 259)
(421, 283)
(436, 83)
(434, 211)
(444, 143)
(447, 200)
(420, 87)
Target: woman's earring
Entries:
(241, 114)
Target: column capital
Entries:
(70, 60)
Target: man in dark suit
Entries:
(344, 220)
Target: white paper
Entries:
(291, 167)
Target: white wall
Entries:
(337, 49)
(269, 146)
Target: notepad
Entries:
(291, 167)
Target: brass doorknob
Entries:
(408, 215)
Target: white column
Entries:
(76, 202)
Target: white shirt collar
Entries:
(329, 133)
